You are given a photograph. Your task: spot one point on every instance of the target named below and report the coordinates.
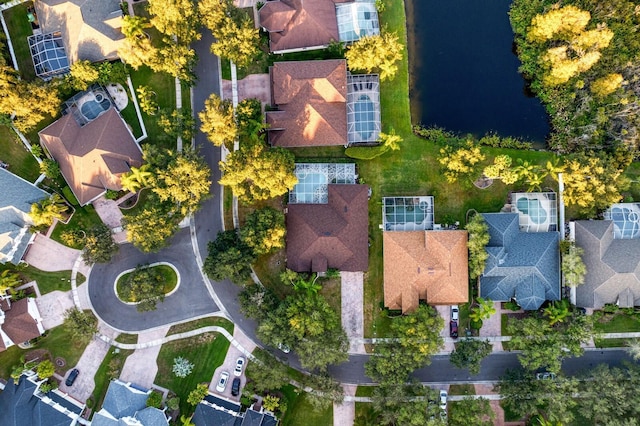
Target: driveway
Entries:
(228, 365)
(252, 86)
(88, 365)
(190, 300)
(52, 307)
(141, 366)
(445, 313)
(352, 300)
(51, 256)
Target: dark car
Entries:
(235, 386)
(72, 377)
(453, 329)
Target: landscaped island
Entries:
(146, 284)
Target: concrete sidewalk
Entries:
(344, 414)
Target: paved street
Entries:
(190, 300)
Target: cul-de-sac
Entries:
(319, 212)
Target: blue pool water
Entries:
(532, 208)
(91, 109)
(626, 221)
(364, 117)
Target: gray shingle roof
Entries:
(524, 266)
(151, 416)
(122, 401)
(17, 192)
(613, 266)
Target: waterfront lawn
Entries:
(19, 29)
(301, 412)
(205, 351)
(14, 153)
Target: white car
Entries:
(222, 383)
(284, 348)
(239, 366)
(454, 313)
(443, 399)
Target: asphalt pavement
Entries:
(190, 300)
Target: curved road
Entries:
(192, 299)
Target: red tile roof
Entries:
(332, 235)
(299, 24)
(92, 157)
(311, 97)
(425, 265)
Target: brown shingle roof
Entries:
(333, 235)
(91, 29)
(427, 265)
(312, 100)
(92, 157)
(19, 325)
(299, 24)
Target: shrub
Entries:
(182, 367)
(154, 400)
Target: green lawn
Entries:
(110, 368)
(617, 323)
(127, 338)
(199, 323)
(131, 118)
(169, 276)
(19, 29)
(465, 389)
(14, 153)
(301, 412)
(206, 351)
(612, 343)
(47, 281)
(84, 218)
(365, 390)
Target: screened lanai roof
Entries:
(314, 178)
(363, 108)
(48, 54)
(626, 220)
(538, 211)
(407, 213)
(357, 19)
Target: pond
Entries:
(464, 72)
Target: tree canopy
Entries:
(469, 353)
(376, 53)
(264, 230)
(99, 246)
(478, 240)
(218, 121)
(229, 258)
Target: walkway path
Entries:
(111, 215)
(352, 300)
(493, 326)
(344, 414)
(52, 307)
(141, 366)
(252, 86)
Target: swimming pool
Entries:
(310, 186)
(92, 108)
(365, 117)
(532, 207)
(626, 221)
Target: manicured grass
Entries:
(143, 195)
(301, 412)
(59, 342)
(32, 135)
(466, 389)
(14, 153)
(84, 218)
(618, 323)
(47, 281)
(612, 343)
(109, 369)
(8, 359)
(228, 208)
(365, 390)
(19, 29)
(206, 352)
(169, 278)
(127, 338)
(199, 323)
(331, 291)
(131, 118)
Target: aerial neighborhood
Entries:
(319, 212)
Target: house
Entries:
(126, 403)
(73, 30)
(317, 103)
(15, 204)
(217, 411)
(425, 265)
(524, 266)
(20, 321)
(22, 404)
(612, 258)
(327, 220)
(295, 25)
(92, 144)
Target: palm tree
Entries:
(134, 27)
(8, 280)
(136, 179)
(535, 181)
(47, 210)
(311, 287)
(634, 349)
(482, 311)
(557, 311)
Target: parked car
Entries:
(72, 377)
(235, 386)
(239, 366)
(546, 376)
(284, 348)
(453, 329)
(222, 383)
(443, 399)
(454, 313)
